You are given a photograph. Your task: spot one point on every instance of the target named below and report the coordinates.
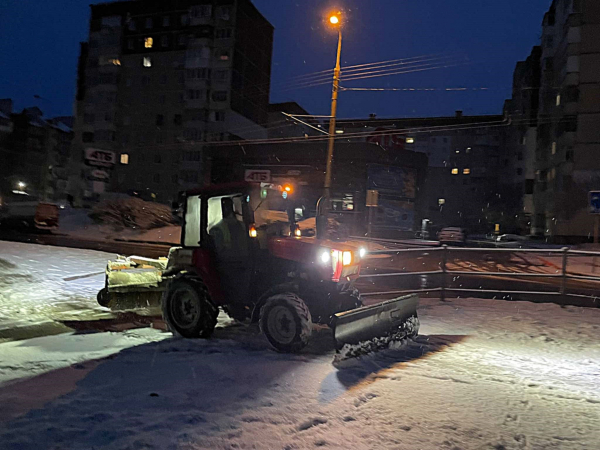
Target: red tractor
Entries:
(243, 251)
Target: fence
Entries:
(444, 272)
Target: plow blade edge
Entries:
(376, 321)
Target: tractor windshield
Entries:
(276, 205)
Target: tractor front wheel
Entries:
(187, 309)
(286, 322)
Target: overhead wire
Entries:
(371, 133)
(310, 80)
(406, 89)
(414, 69)
(329, 72)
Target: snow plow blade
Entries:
(379, 324)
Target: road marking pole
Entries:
(444, 270)
(565, 258)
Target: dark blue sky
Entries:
(39, 45)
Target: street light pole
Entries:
(334, 99)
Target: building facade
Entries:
(35, 152)
(157, 80)
(463, 152)
(518, 159)
(568, 133)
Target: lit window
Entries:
(558, 100)
(554, 148)
(148, 42)
(339, 131)
(147, 61)
(455, 171)
(124, 158)
(441, 201)
(468, 150)
(410, 140)
(114, 62)
(466, 171)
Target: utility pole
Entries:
(334, 98)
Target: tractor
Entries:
(242, 250)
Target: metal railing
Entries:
(444, 287)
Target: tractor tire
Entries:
(286, 322)
(103, 297)
(187, 309)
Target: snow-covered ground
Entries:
(483, 374)
(41, 283)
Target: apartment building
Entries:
(158, 80)
(568, 132)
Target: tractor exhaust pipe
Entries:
(321, 218)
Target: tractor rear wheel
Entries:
(286, 322)
(187, 309)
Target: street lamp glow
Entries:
(334, 20)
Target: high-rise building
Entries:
(517, 160)
(568, 141)
(157, 80)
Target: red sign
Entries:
(387, 141)
(257, 176)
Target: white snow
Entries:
(42, 283)
(484, 374)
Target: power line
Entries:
(317, 77)
(358, 135)
(329, 72)
(405, 89)
(416, 68)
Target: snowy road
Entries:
(483, 374)
(39, 284)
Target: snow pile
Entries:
(483, 374)
(132, 213)
(78, 224)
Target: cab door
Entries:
(229, 240)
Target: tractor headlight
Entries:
(298, 233)
(347, 258)
(362, 252)
(325, 257)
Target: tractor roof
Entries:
(220, 189)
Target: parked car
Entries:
(451, 235)
(21, 210)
